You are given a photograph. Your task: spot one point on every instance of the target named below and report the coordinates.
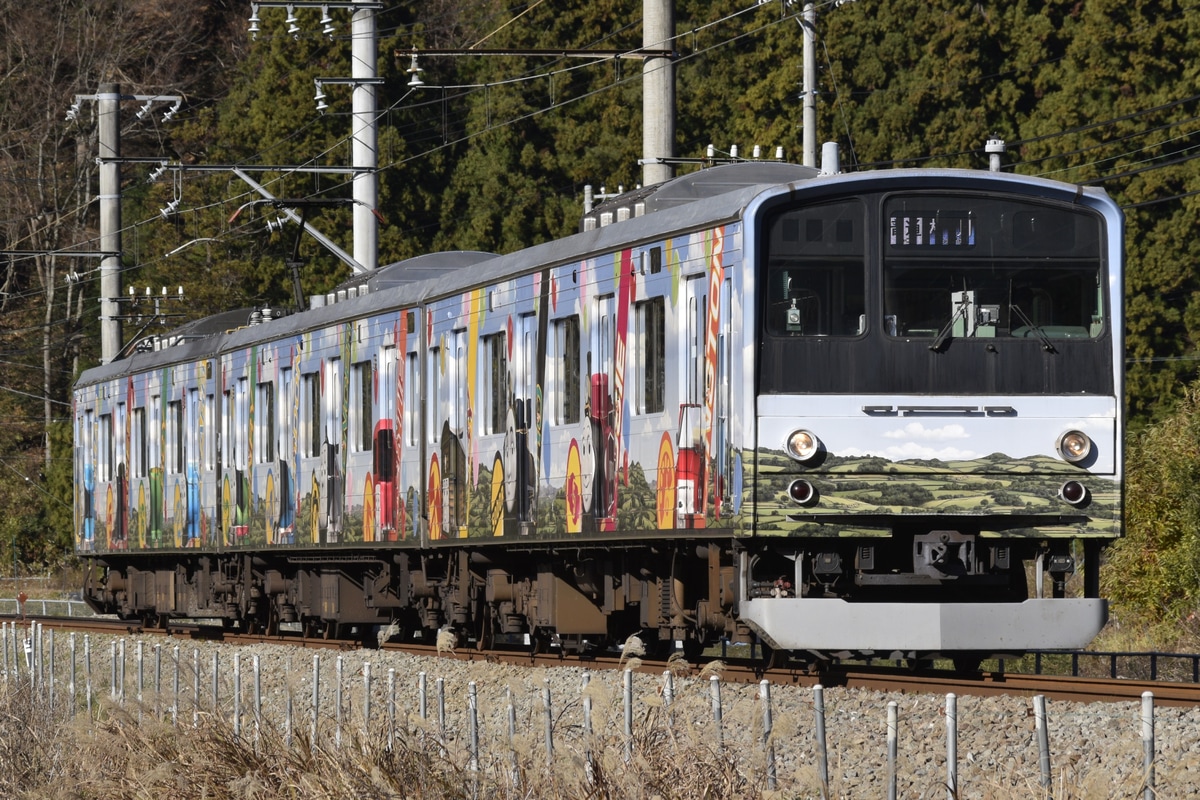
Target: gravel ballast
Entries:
(1095, 749)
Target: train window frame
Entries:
(241, 425)
(409, 392)
(284, 429)
(174, 454)
(331, 402)
(565, 371)
(815, 271)
(210, 432)
(493, 390)
(310, 414)
(650, 342)
(154, 439)
(433, 400)
(264, 422)
(137, 443)
(362, 406)
(104, 451)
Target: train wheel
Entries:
(485, 633)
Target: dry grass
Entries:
(123, 754)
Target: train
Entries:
(872, 414)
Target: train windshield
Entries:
(990, 268)
(936, 291)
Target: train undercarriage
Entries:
(676, 595)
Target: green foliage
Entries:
(1154, 571)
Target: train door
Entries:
(520, 435)
(120, 534)
(154, 465)
(722, 417)
(360, 442)
(412, 457)
(283, 531)
(312, 506)
(138, 476)
(264, 474)
(601, 415)
(454, 438)
(209, 473)
(690, 455)
(174, 497)
(85, 476)
(334, 488)
(191, 466)
(386, 446)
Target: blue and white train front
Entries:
(937, 437)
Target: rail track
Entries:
(743, 670)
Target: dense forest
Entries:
(493, 152)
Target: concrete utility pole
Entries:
(364, 154)
(109, 104)
(658, 92)
(809, 24)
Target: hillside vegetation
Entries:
(492, 153)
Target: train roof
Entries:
(690, 202)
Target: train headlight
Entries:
(1074, 446)
(803, 445)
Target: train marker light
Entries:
(1074, 493)
(802, 492)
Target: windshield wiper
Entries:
(944, 333)
(1047, 345)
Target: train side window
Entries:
(387, 383)
(564, 372)
(410, 393)
(154, 437)
(332, 397)
(650, 341)
(283, 412)
(362, 412)
(137, 443)
(174, 464)
(104, 454)
(210, 433)
(264, 423)
(310, 415)
(433, 372)
(241, 425)
(494, 378)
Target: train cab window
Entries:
(960, 267)
(310, 415)
(494, 380)
(362, 412)
(137, 443)
(815, 271)
(649, 375)
(564, 372)
(264, 423)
